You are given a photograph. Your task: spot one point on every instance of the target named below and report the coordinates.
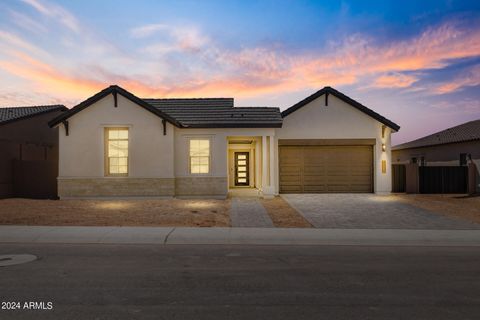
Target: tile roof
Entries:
(217, 113)
(191, 102)
(11, 114)
(465, 132)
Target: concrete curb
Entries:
(238, 236)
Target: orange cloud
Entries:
(471, 78)
(396, 80)
(210, 70)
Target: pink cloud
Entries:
(189, 63)
(395, 80)
(471, 78)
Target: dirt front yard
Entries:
(182, 213)
(464, 207)
(283, 215)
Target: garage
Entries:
(313, 168)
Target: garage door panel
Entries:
(291, 181)
(314, 170)
(291, 189)
(315, 189)
(326, 169)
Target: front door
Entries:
(242, 175)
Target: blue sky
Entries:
(415, 62)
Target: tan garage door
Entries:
(315, 169)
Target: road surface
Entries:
(242, 282)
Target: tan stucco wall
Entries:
(81, 161)
(82, 151)
(153, 155)
(339, 120)
(218, 144)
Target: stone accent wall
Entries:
(116, 187)
(201, 186)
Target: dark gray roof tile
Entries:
(465, 132)
(17, 113)
(217, 112)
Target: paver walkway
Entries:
(249, 212)
(369, 211)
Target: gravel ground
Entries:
(464, 207)
(182, 213)
(283, 215)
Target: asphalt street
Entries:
(85, 281)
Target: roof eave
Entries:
(102, 94)
(399, 147)
(59, 108)
(228, 125)
(346, 99)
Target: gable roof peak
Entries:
(345, 99)
(105, 92)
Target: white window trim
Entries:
(210, 138)
(105, 151)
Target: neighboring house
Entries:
(116, 144)
(455, 146)
(27, 143)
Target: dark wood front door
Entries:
(242, 174)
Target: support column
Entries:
(271, 156)
(264, 163)
(267, 169)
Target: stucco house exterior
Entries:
(116, 144)
(455, 146)
(28, 151)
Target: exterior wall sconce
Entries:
(383, 147)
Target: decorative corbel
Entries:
(164, 122)
(65, 124)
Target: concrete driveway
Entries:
(369, 211)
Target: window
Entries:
(199, 156)
(116, 151)
(463, 159)
(414, 160)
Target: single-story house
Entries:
(28, 151)
(116, 144)
(456, 146)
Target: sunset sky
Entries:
(415, 62)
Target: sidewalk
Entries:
(238, 236)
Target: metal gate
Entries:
(398, 178)
(443, 179)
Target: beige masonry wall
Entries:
(339, 120)
(201, 186)
(151, 154)
(116, 187)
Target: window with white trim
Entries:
(116, 151)
(199, 156)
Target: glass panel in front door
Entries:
(241, 169)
